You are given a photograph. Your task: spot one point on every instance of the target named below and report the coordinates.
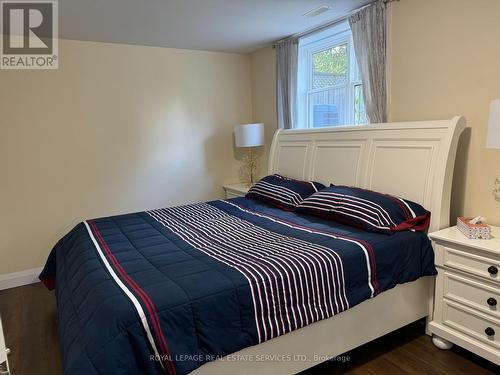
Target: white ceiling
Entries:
(216, 25)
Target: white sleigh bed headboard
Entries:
(414, 160)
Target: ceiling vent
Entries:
(317, 11)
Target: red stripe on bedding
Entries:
(48, 281)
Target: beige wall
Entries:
(264, 98)
(444, 61)
(118, 128)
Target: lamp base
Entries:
(250, 163)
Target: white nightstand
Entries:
(467, 293)
(4, 364)
(236, 190)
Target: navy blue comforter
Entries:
(170, 289)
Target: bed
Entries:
(238, 286)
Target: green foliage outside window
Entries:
(333, 61)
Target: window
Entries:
(329, 87)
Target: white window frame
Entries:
(337, 35)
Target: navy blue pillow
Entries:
(366, 209)
(283, 192)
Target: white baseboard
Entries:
(25, 277)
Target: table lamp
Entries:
(249, 135)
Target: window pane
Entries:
(330, 67)
(359, 106)
(327, 80)
(327, 107)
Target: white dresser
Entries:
(236, 190)
(467, 293)
(4, 365)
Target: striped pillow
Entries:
(283, 192)
(366, 209)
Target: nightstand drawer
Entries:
(473, 262)
(472, 323)
(479, 296)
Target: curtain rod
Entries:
(330, 23)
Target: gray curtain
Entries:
(369, 35)
(287, 54)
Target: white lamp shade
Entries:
(249, 135)
(493, 138)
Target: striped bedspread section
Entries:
(293, 282)
(167, 290)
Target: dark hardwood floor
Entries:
(29, 322)
(29, 319)
(406, 351)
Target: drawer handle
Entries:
(492, 270)
(491, 301)
(489, 331)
